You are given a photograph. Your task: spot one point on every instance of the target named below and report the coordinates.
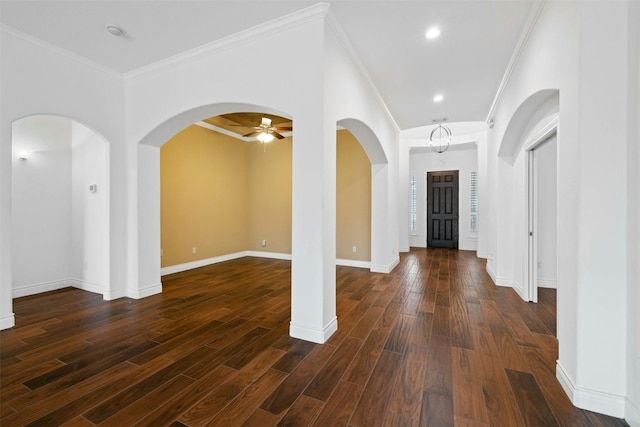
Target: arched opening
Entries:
(382, 232)
(353, 202)
(224, 193)
(529, 181)
(60, 206)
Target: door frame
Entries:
(531, 272)
(427, 204)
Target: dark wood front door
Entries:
(442, 209)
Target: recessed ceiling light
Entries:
(438, 98)
(432, 33)
(115, 31)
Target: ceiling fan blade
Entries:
(284, 128)
(250, 134)
(276, 134)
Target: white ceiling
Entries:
(465, 64)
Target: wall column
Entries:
(7, 319)
(313, 270)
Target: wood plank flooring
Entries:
(434, 343)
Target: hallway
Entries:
(434, 343)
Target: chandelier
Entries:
(440, 137)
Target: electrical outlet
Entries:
(263, 243)
(193, 250)
(354, 249)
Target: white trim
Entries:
(417, 241)
(273, 255)
(233, 134)
(484, 255)
(145, 292)
(110, 296)
(342, 38)
(353, 263)
(565, 381)
(632, 413)
(223, 131)
(547, 131)
(536, 9)
(38, 288)
(308, 333)
(492, 273)
(7, 322)
(519, 290)
(46, 45)
(200, 263)
(274, 26)
(379, 268)
(591, 400)
(87, 286)
(547, 283)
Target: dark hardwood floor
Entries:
(434, 343)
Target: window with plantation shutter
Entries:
(473, 203)
(413, 204)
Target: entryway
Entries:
(442, 209)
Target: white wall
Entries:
(38, 79)
(464, 160)
(165, 98)
(89, 211)
(632, 412)
(547, 211)
(41, 205)
(564, 52)
(60, 230)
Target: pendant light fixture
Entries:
(440, 137)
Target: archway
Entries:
(381, 259)
(60, 206)
(534, 121)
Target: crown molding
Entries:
(233, 134)
(532, 20)
(223, 131)
(286, 22)
(46, 45)
(335, 26)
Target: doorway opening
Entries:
(60, 207)
(541, 214)
(442, 209)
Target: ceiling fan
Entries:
(265, 131)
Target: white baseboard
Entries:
(591, 400)
(200, 263)
(87, 286)
(548, 283)
(483, 255)
(7, 322)
(307, 333)
(519, 289)
(38, 288)
(144, 292)
(417, 241)
(353, 263)
(272, 255)
(379, 268)
(632, 414)
(492, 274)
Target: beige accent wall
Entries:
(203, 196)
(269, 193)
(353, 199)
(222, 196)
